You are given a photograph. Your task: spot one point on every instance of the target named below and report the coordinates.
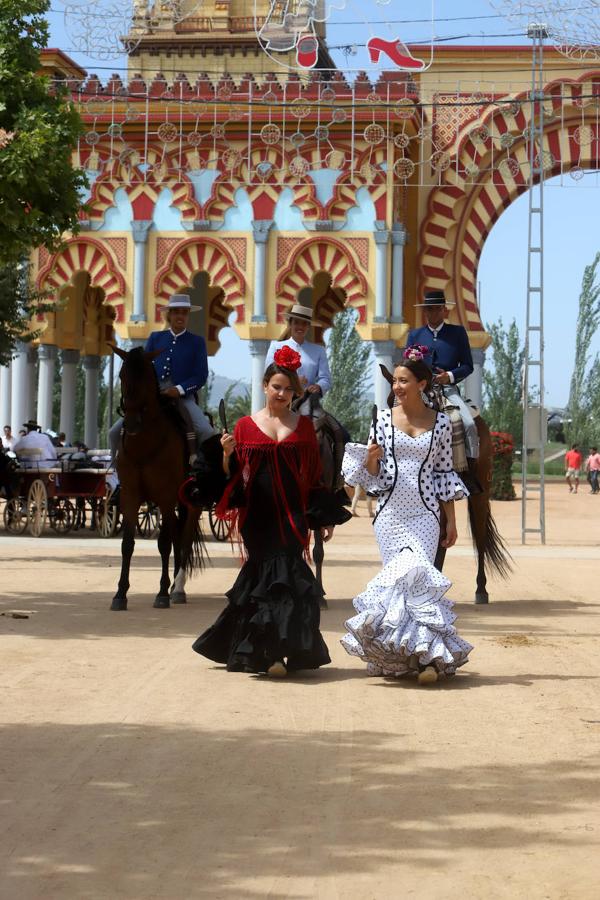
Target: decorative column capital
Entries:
(258, 347)
(140, 229)
(47, 351)
(381, 234)
(90, 361)
(69, 357)
(399, 234)
(261, 228)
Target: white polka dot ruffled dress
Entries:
(404, 622)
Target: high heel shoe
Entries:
(396, 51)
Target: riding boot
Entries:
(470, 479)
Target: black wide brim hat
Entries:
(435, 298)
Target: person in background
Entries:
(573, 459)
(35, 440)
(592, 467)
(313, 374)
(8, 438)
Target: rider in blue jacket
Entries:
(449, 357)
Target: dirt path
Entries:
(131, 768)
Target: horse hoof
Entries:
(481, 599)
(161, 602)
(179, 597)
(119, 604)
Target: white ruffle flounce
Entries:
(353, 468)
(404, 622)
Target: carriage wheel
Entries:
(15, 515)
(148, 522)
(219, 527)
(107, 515)
(61, 514)
(37, 507)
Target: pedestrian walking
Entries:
(592, 467)
(573, 460)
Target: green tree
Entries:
(503, 385)
(584, 380)
(40, 191)
(349, 360)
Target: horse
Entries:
(331, 439)
(490, 548)
(151, 465)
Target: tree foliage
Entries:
(503, 384)
(349, 361)
(584, 403)
(39, 128)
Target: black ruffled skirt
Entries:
(273, 614)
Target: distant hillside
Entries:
(220, 385)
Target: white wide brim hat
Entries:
(179, 301)
(304, 313)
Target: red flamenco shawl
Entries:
(299, 452)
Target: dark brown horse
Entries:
(151, 465)
(492, 552)
(331, 439)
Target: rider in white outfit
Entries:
(314, 373)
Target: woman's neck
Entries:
(412, 408)
(272, 413)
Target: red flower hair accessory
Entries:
(287, 358)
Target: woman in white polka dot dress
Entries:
(404, 623)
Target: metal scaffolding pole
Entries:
(534, 417)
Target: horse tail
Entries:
(495, 552)
(193, 547)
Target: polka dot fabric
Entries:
(403, 619)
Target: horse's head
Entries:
(139, 386)
(390, 380)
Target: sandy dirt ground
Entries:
(132, 768)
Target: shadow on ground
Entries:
(139, 811)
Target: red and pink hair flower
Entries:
(416, 352)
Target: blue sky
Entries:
(572, 219)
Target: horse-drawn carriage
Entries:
(75, 491)
(59, 494)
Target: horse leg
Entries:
(178, 594)
(165, 542)
(479, 513)
(119, 601)
(318, 556)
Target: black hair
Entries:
(419, 369)
(274, 369)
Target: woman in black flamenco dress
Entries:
(274, 499)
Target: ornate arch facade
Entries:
(204, 254)
(84, 254)
(328, 255)
(461, 213)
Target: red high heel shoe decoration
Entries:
(397, 52)
(307, 51)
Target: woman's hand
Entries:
(327, 533)
(228, 444)
(374, 454)
(450, 535)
